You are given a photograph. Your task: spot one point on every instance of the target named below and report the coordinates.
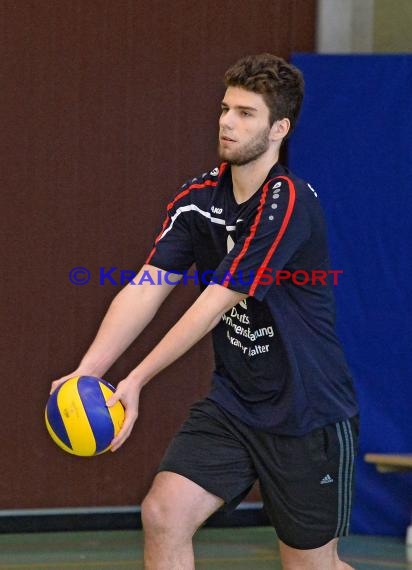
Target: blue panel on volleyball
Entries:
(56, 420)
(96, 410)
(353, 145)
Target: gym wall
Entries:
(107, 107)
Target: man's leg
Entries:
(173, 510)
(323, 558)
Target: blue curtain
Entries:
(353, 144)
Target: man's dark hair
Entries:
(280, 84)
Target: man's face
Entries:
(243, 126)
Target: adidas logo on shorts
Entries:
(327, 479)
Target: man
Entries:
(282, 407)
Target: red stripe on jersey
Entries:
(222, 168)
(249, 238)
(253, 230)
(282, 230)
(170, 206)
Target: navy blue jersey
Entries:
(278, 363)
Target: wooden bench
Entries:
(390, 462)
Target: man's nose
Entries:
(226, 120)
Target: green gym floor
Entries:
(216, 549)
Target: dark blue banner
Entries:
(353, 144)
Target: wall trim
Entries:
(112, 518)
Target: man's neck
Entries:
(247, 179)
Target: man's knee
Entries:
(157, 515)
(175, 498)
(163, 516)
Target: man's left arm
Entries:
(197, 321)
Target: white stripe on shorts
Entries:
(346, 465)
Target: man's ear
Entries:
(279, 129)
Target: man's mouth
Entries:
(226, 139)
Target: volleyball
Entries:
(78, 419)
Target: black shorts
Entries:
(306, 482)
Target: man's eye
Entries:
(245, 114)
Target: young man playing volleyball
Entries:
(281, 408)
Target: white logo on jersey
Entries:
(216, 210)
(313, 190)
(277, 185)
(243, 303)
(214, 172)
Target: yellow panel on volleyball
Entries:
(116, 412)
(75, 419)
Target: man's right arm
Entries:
(128, 315)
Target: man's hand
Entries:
(56, 383)
(128, 393)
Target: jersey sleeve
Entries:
(277, 231)
(172, 249)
